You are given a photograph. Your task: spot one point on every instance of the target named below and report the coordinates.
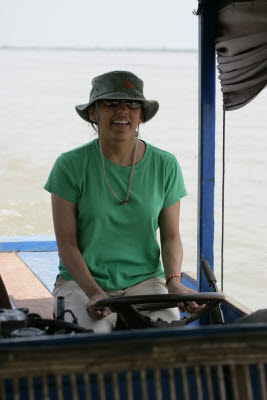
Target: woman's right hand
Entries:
(97, 314)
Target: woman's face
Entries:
(117, 123)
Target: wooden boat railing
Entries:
(201, 363)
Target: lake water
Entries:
(37, 119)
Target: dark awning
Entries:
(241, 45)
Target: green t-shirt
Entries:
(118, 242)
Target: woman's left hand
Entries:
(191, 307)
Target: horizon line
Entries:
(99, 48)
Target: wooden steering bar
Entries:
(132, 315)
(166, 300)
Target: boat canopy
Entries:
(241, 46)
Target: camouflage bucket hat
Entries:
(118, 85)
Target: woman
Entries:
(108, 199)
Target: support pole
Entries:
(206, 146)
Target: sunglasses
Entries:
(115, 103)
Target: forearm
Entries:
(172, 255)
(74, 263)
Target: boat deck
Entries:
(29, 266)
(29, 270)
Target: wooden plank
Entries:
(43, 264)
(28, 243)
(23, 287)
(29, 246)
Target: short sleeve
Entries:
(174, 184)
(62, 179)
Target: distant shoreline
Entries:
(112, 49)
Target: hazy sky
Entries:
(89, 23)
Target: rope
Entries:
(201, 4)
(223, 184)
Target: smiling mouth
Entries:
(121, 122)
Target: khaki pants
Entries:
(76, 300)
